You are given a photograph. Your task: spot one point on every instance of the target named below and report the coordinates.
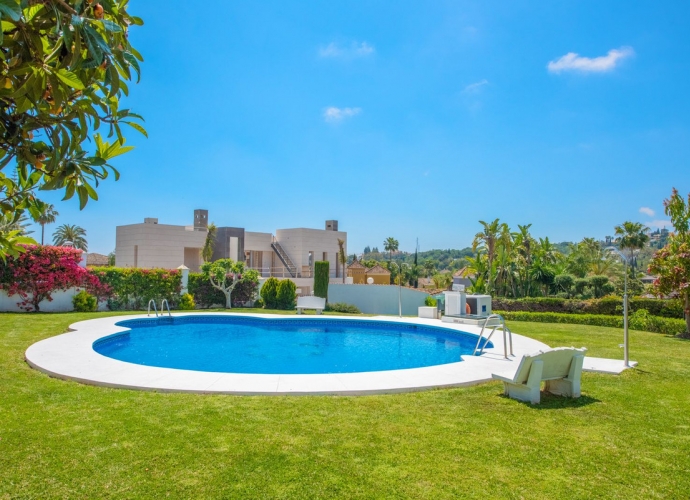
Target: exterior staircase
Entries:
(284, 258)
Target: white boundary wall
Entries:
(62, 302)
(377, 299)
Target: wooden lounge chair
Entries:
(561, 368)
(310, 302)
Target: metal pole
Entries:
(626, 359)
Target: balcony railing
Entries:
(282, 272)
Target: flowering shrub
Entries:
(132, 288)
(41, 270)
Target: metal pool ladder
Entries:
(496, 322)
(148, 311)
(152, 302)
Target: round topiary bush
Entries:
(186, 302)
(84, 302)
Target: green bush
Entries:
(205, 295)
(321, 269)
(186, 302)
(430, 301)
(84, 302)
(342, 307)
(259, 303)
(286, 295)
(132, 288)
(640, 320)
(668, 308)
(269, 293)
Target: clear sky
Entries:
(407, 119)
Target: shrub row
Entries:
(639, 320)
(342, 307)
(132, 288)
(667, 308)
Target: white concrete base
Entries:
(604, 365)
(70, 356)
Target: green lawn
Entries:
(627, 437)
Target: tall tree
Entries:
(70, 235)
(65, 68)
(342, 256)
(47, 216)
(488, 238)
(672, 263)
(633, 236)
(390, 245)
(209, 243)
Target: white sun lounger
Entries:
(561, 368)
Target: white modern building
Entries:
(290, 253)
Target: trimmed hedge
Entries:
(321, 270)
(667, 308)
(639, 320)
(132, 288)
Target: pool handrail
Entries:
(148, 311)
(165, 302)
(507, 335)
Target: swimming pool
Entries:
(283, 346)
(71, 356)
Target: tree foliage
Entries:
(672, 262)
(226, 274)
(64, 66)
(70, 235)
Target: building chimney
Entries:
(200, 219)
(331, 225)
(151, 220)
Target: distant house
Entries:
(460, 279)
(357, 272)
(97, 260)
(380, 275)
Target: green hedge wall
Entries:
(609, 305)
(321, 270)
(639, 320)
(132, 288)
(203, 292)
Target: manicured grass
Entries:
(627, 437)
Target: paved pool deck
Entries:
(71, 356)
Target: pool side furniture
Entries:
(311, 302)
(561, 368)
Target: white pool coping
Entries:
(71, 356)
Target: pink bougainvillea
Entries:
(35, 274)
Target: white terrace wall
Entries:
(377, 299)
(62, 302)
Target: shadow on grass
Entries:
(553, 402)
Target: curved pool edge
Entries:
(70, 356)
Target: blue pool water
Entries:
(258, 345)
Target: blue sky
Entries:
(404, 119)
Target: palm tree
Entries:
(390, 245)
(489, 238)
(47, 216)
(633, 236)
(210, 243)
(73, 236)
(342, 256)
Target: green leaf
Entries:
(70, 78)
(111, 26)
(139, 128)
(10, 9)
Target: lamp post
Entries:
(626, 357)
(400, 268)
